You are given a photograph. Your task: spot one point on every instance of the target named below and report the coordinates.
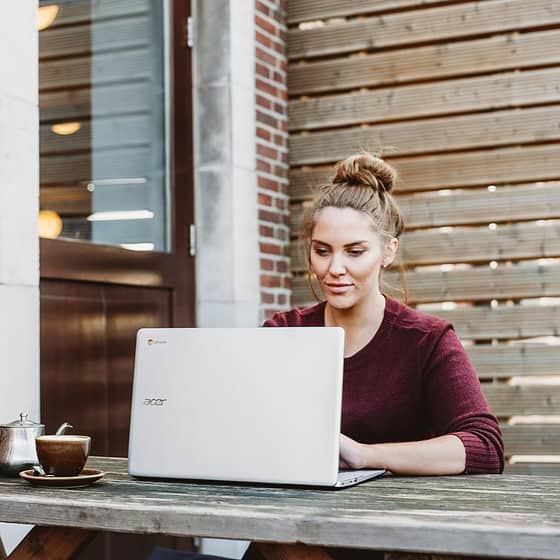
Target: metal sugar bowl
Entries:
(17, 445)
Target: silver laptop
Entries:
(259, 405)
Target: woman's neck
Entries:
(367, 316)
(360, 325)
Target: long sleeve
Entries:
(457, 406)
(277, 320)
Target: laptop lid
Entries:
(247, 405)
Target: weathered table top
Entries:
(500, 516)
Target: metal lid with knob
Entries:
(23, 422)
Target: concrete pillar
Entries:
(19, 243)
(227, 263)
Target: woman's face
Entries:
(347, 255)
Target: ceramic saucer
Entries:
(85, 478)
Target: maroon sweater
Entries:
(412, 381)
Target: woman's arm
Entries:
(457, 407)
(437, 456)
(463, 435)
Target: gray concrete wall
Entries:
(19, 198)
(227, 269)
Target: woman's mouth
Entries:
(338, 288)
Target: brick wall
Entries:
(272, 154)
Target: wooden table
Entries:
(492, 516)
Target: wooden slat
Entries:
(447, 22)
(522, 202)
(481, 206)
(484, 167)
(306, 10)
(483, 284)
(508, 242)
(104, 68)
(431, 135)
(117, 99)
(527, 439)
(476, 284)
(469, 245)
(498, 53)
(511, 360)
(108, 165)
(547, 469)
(115, 132)
(519, 321)
(78, 12)
(454, 96)
(131, 32)
(515, 400)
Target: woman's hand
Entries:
(351, 453)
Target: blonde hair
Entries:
(363, 182)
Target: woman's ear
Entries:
(390, 251)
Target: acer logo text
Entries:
(154, 402)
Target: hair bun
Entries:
(367, 170)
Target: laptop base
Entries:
(351, 478)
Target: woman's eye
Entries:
(356, 252)
(321, 252)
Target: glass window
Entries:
(103, 100)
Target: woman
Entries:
(412, 402)
(411, 398)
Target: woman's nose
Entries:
(337, 266)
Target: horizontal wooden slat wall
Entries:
(459, 20)
(451, 96)
(463, 98)
(492, 54)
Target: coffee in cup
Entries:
(62, 455)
